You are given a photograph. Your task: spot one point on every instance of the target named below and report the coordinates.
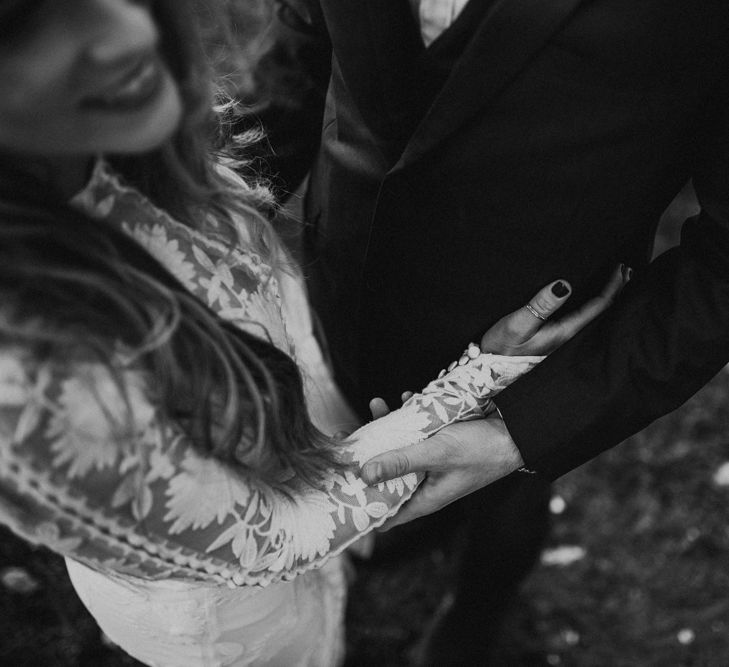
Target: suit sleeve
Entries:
(290, 79)
(661, 342)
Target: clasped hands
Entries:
(466, 456)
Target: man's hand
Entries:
(460, 459)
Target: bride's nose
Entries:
(118, 30)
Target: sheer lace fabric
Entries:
(150, 525)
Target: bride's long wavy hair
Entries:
(70, 283)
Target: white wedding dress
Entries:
(182, 560)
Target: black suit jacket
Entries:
(563, 132)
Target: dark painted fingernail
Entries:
(560, 290)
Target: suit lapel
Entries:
(376, 44)
(510, 34)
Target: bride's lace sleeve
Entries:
(130, 495)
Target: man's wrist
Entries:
(520, 466)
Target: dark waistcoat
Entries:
(415, 76)
(423, 71)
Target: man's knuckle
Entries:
(401, 463)
(441, 458)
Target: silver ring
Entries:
(534, 312)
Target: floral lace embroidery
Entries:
(236, 283)
(132, 496)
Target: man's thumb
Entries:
(386, 466)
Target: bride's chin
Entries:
(144, 130)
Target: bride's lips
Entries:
(132, 91)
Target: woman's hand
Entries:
(528, 331)
(465, 457)
(379, 408)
